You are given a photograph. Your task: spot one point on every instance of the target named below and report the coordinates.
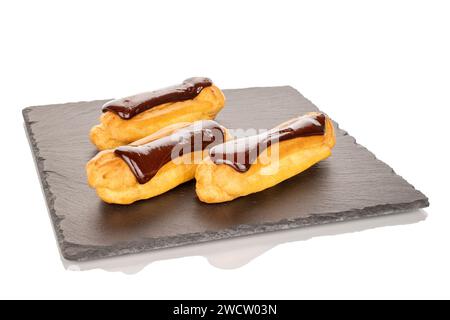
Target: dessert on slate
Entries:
(243, 166)
(129, 119)
(175, 140)
(155, 164)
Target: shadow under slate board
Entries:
(351, 184)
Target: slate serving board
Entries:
(350, 184)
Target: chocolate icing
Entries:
(241, 153)
(128, 107)
(145, 160)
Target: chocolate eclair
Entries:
(154, 164)
(129, 119)
(247, 165)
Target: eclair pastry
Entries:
(154, 164)
(129, 119)
(247, 165)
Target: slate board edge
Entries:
(49, 197)
(76, 252)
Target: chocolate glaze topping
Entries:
(128, 107)
(145, 160)
(241, 153)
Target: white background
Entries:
(379, 68)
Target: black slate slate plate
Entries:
(351, 184)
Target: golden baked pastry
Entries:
(132, 118)
(248, 165)
(154, 164)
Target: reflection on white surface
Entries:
(234, 253)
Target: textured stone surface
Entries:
(351, 184)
